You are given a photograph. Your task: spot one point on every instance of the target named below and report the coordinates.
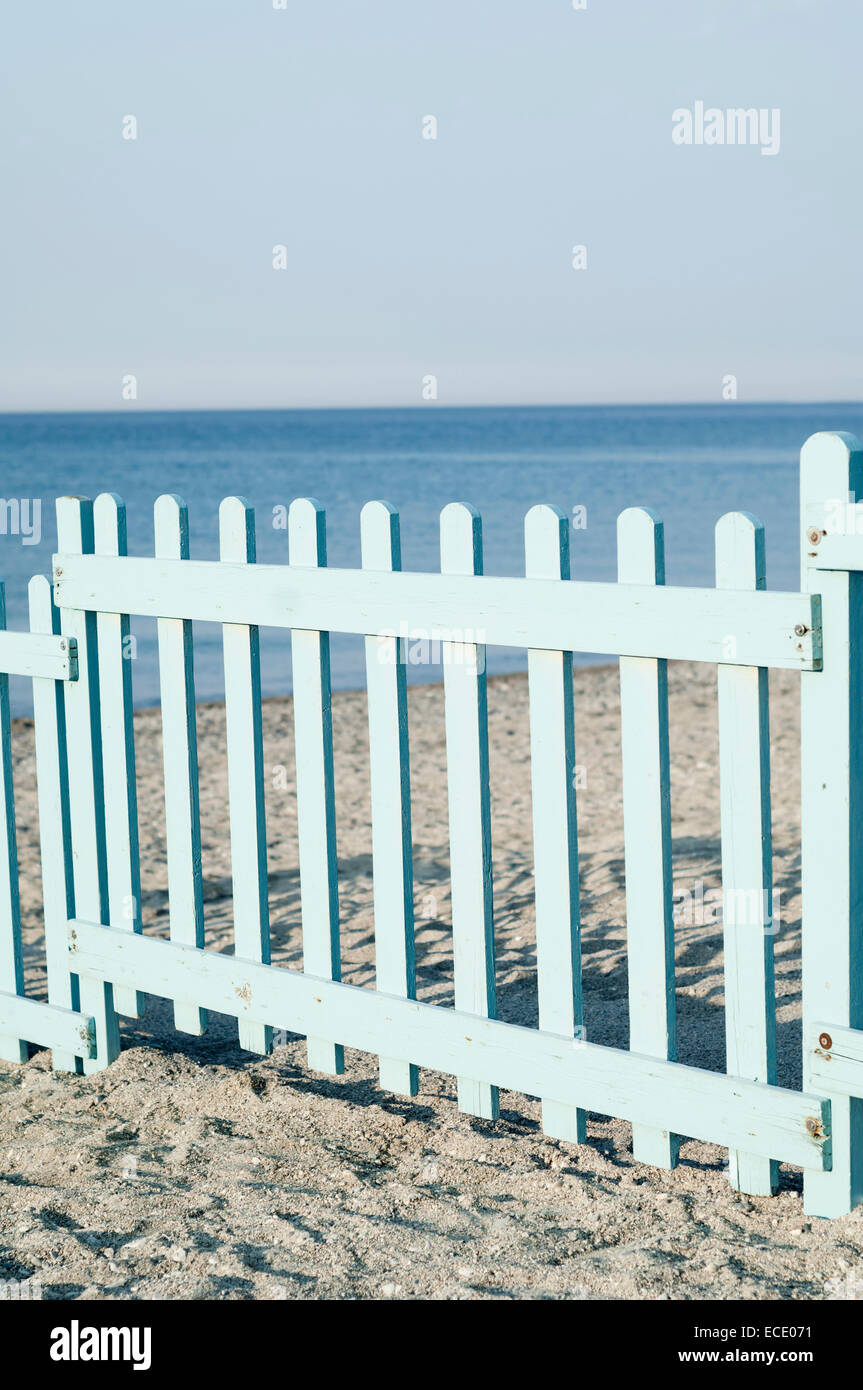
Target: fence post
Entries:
(831, 735)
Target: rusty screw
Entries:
(813, 535)
(800, 629)
(825, 1041)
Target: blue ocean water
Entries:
(690, 463)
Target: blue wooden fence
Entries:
(100, 965)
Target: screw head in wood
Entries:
(825, 1040)
(813, 535)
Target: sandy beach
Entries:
(190, 1169)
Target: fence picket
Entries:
(647, 832)
(52, 780)
(466, 720)
(180, 759)
(118, 747)
(11, 960)
(555, 833)
(241, 650)
(747, 861)
(316, 805)
(85, 781)
(389, 775)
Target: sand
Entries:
(190, 1169)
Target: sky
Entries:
(139, 273)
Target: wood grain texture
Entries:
(835, 1058)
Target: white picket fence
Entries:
(99, 964)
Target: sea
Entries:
(689, 463)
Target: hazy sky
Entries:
(409, 257)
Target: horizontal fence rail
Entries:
(702, 1104)
(836, 1058)
(39, 654)
(735, 626)
(47, 1025)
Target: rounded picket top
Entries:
(461, 539)
(40, 605)
(307, 532)
(546, 542)
(109, 524)
(828, 460)
(74, 524)
(640, 546)
(380, 536)
(831, 479)
(233, 508)
(171, 526)
(38, 589)
(236, 530)
(740, 553)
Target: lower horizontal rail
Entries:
(47, 1025)
(711, 1106)
(836, 1058)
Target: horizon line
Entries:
(434, 407)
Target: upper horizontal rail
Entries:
(790, 1125)
(837, 552)
(734, 627)
(38, 654)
